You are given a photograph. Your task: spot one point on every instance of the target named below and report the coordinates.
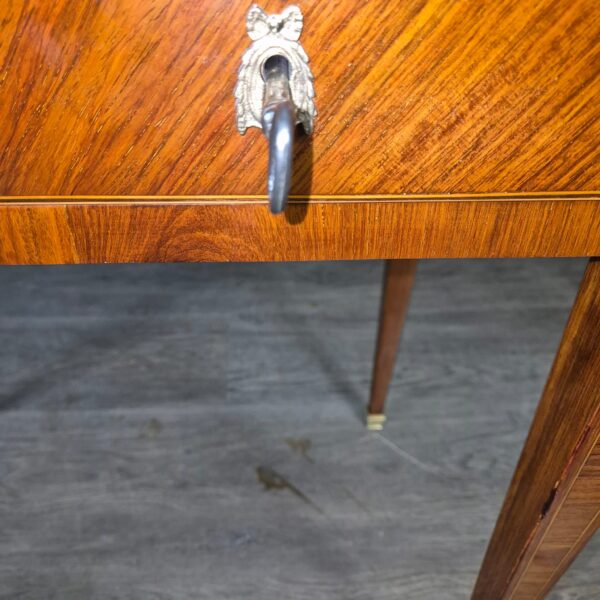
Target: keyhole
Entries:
(276, 66)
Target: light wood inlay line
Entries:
(296, 199)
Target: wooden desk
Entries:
(445, 129)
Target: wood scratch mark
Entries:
(407, 456)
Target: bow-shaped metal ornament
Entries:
(274, 35)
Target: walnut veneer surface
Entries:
(118, 98)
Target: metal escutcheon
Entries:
(275, 92)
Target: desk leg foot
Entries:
(375, 422)
(552, 506)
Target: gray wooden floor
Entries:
(195, 431)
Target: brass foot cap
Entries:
(375, 422)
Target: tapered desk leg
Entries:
(397, 285)
(553, 504)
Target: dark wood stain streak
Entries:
(272, 480)
(548, 503)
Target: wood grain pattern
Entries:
(186, 230)
(437, 96)
(551, 508)
(398, 281)
(137, 401)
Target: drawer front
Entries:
(104, 97)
